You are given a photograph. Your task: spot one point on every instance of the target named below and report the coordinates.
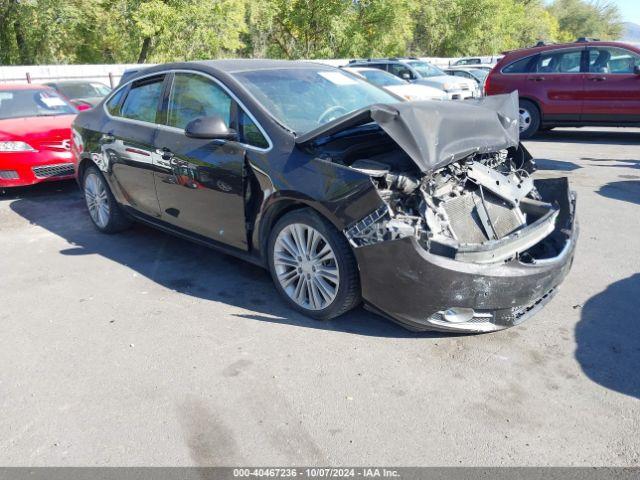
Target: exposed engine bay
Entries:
(484, 208)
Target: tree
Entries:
(479, 27)
(582, 18)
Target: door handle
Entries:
(537, 79)
(597, 79)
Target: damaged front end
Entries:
(464, 238)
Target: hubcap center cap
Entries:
(307, 267)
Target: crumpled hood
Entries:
(435, 134)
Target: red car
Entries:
(586, 83)
(35, 135)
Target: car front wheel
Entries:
(104, 211)
(529, 119)
(312, 265)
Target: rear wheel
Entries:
(529, 119)
(312, 265)
(104, 211)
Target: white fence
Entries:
(110, 74)
(107, 74)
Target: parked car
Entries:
(479, 75)
(426, 211)
(403, 88)
(475, 61)
(35, 133)
(573, 84)
(81, 94)
(423, 73)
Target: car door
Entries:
(556, 82)
(612, 89)
(127, 142)
(200, 181)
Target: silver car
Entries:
(423, 73)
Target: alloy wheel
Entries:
(525, 119)
(306, 266)
(95, 194)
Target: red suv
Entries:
(586, 83)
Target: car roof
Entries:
(577, 44)
(23, 86)
(384, 60)
(226, 67)
(251, 64)
(368, 69)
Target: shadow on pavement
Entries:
(608, 334)
(559, 165)
(627, 191)
(593, 137)
(39, 189)
(186, 267)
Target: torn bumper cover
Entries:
(425, 291)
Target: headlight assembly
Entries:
(15, 147)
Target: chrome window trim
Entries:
(578, 49)
(175, 129)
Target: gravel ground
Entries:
(143, 349)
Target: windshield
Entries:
(382, 79)
(425, 69)
(32, 103)
(479, 73)
(305, 98)
(83, 90)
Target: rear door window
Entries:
(559, 62)
(520, 66)
(143, 99)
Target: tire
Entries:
(107, 216)
(529, 119)
(322, 289)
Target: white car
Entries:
(422, 73)
(400, 87)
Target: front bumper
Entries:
(27, 168)
(462, 94)
(423, 291)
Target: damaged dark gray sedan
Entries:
(425, 211)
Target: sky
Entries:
(629, 10)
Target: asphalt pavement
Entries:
(144, 349)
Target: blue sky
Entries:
(630, 10)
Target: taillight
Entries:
(487, 84)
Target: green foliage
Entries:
(125, 31)
(580, 18)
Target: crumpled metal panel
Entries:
(435, 134)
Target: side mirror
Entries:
(406, 75)
(212, 128)
(636, 70)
